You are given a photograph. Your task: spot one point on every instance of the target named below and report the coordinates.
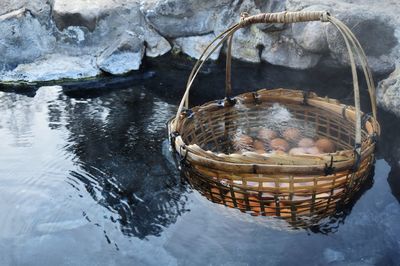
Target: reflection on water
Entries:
(117, 141)
(85, 179)
(324, 220)
(115, 145)
(332, 222)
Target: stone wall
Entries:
(69, 39)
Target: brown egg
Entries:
(273, 204)
(278, 152)
(325, 145)
(254, 205)
(266, 134)
(313, 150)
(283, 210)
(245, 139)
(279, 144)
(292, 134)
(269, 211)
(304, 184)
(322, 195)
(242, 142)
(306, 142)
(297, 151)
(303, 211)
(238, 195)
(259, 146)
(239, 203)
(229, 200)
(229, 203)
(216, 196)
(286, 212)
(253, 201)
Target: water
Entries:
(86, 179)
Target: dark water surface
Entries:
(86, 179)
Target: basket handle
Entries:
(352, 44)
(283, 17)
(279, 17)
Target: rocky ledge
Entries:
(71, 39)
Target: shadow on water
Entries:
(117, 139)
(389, 149)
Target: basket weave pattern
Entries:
(287, 186)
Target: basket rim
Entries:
(342, 159)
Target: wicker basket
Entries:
(294, 187)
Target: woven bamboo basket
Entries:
(295, 187)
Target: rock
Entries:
(195, 45)
(177, 18)
(270, 7)
(156, 45)
(84, 31)
(54, 67)
(122, 56)
(80, 13)
(311, 36)
(388, 92)
(23, 39)
(286, 52)
(127, 17)
(36, 29)
(366, 26)
(248, 42)
(39, 9)
(367, 19)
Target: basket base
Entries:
(309, 214)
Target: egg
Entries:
(322, 195)
(266, 134)
(306, 142)
(292, 134)
(242, 142)
(239, 203)
(259, 146)
(229, 203)
(303, 211)
(283, 210)
(297, 151)
(278, 152)
(305, 184)
(325, 145)
(238, 197)
(274, 205)
(253, 201)
(279, 144)
(216, 195)
(286, 212)
(269, 211)
(313, 150)
(254, 204)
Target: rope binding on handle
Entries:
(283, 17)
